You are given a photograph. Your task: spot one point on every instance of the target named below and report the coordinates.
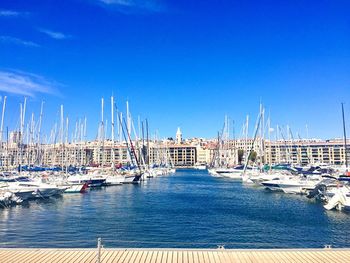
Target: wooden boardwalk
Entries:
(175, 255)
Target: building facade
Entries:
(184, 154)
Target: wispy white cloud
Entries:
(150, 5)
(53, 34)
(26, 84)
(17, 41)
(118, 2)
(12, 13)
(9, 13)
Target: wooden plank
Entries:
(65, 256)
(77, 258)
(279, 256)
(88, 257)
(165, 256)
(293, 257)
(272, 257)
(248, 256)
(332, 256)
(10, 255)
(159, 257)
(170, 256)
(175, 256)
(241, 257)
(108, 254)
(24, 256)
(216, 257)
(123, 256)
(180, 257)
(211, 258)
(206, 257)
(144, 256)
(49, 255)
(71, 257)
(138, 256)
(345, 254)
(115, 257)
(184, 256)
(153, 257)
(195, 257)
(319, 257)
(81, 256)
(255, 257)
(133, 257)
(225, 257)
(200, 256)
(189, 256)
(306, 256)
(55, 258)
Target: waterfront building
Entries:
(184, 154)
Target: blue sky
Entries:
(179, 63)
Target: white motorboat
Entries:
(93, 180)
(340, 199)
(200, 166)
(114, 180)
(8, 198)
(31, 189)
(132, 178)
(76, 188)
(292, 184)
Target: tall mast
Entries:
(24, 112)
(2, 118)
(269, 134)
(61, 126)
(344, 130)
(252, 146)
(112, 118)
(61, 138)
(112, 130)
(66, 140)
(102, 130)
(147, 139)
(40, 121)
(246, 136)
(127, 117)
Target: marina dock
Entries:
(176, 255)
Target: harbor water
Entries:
(189, 209)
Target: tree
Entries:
(240, 154)
(252, 156)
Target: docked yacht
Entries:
(8, 198)
(94, 180)
(31, 189)
(132, 178)
(114, 180)
(293, 184)
(340, 199)
(233, 173)
(200, 166)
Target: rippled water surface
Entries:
(188, 209)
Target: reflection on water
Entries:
(188, 209)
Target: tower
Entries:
(178, 135)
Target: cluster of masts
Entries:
(263, 131)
